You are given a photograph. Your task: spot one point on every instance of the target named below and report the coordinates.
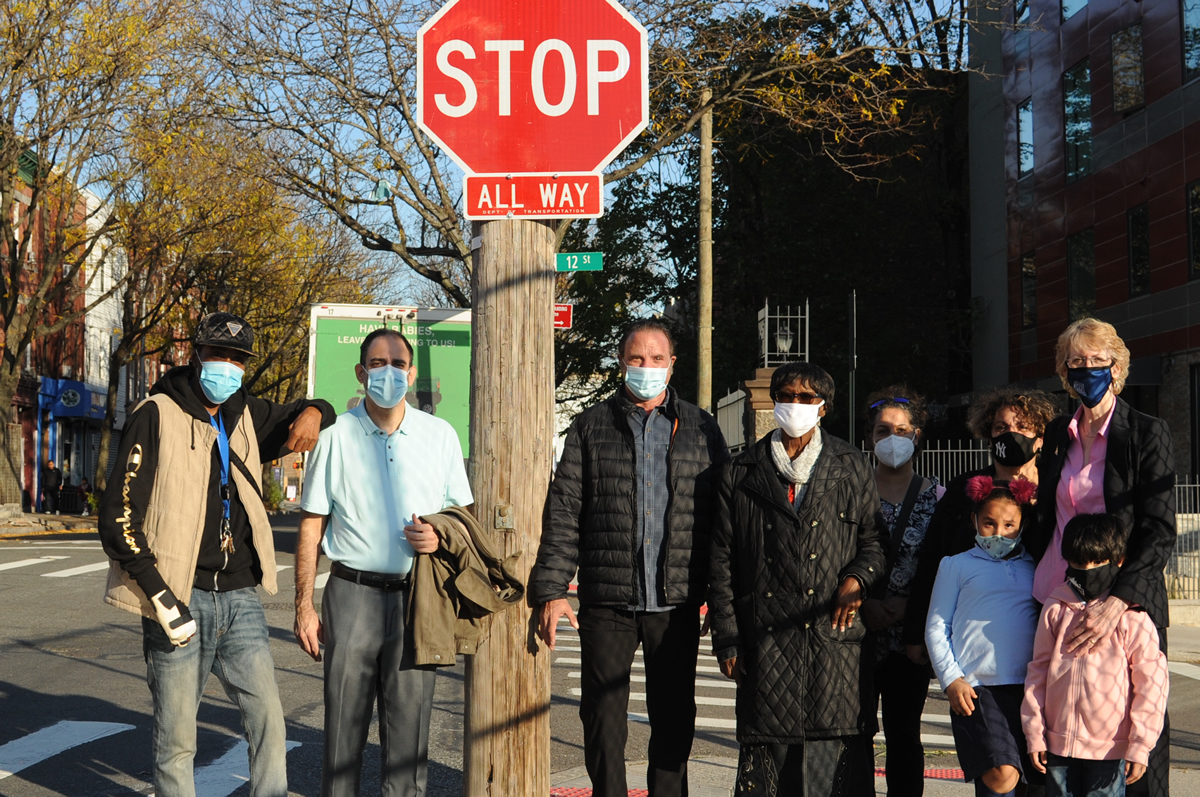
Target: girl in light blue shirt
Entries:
(979, 632)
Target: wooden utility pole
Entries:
(507, 733)
(705, 277)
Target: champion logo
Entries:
(1000, 451)
(233, 328)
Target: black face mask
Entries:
(1091, 584)
(1013, 449)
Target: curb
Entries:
(47, 533)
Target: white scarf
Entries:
(799, 470)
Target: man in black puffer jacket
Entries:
(631, 508)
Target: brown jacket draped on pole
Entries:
(457, 587)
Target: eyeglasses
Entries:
(797, 398)
(892, 400)
(1089, 362)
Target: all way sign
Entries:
(543, 196)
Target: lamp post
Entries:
(783, 338)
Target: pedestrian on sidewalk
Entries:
(1092, 716)
(631, 510)
(371, 481)
(189, 539)
(52, 482)
(982, 620)
(895, 417)
(798, 544)
(1108, 458)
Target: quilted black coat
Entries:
(591, 518)
(775, 576)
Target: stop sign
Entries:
(528, 86)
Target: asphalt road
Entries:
(75, 713)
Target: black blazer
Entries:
(1139, 488)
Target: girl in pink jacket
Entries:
(1092, 716)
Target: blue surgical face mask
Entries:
(386, 385)
(1090, 383)
(646, 383)
(219, 380)
(997, 546)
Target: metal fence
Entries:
(946, 459)
(1183, 569)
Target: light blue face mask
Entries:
(219, 380)
(646, 383)
(997, 546)
(387, 385)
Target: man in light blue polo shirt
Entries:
(371, 478)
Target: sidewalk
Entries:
(31, 524)
(713, 777)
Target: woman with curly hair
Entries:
(1108, 458)
(895, 418)
(1013, 422)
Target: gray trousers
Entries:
(367, 662)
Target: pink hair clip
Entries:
(979, 488)
(1023, 490)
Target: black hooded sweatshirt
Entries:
(214, 571)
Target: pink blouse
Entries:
(1080, 492)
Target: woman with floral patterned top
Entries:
(895, 417)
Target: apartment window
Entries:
(1191, 39)
(1021, 12)
(1025, 138)
(1129, 86)
(1081, 274)
(1071, 7)
(1028, 291)
(1139, 250)
(1077, 120)
(1194, 230)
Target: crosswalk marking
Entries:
(638, 664)
(227, 774)
(701, 683)
(27, 562)
(280, 568)
(75, 571)
(701, 722)
(1186, 670)
(701, 700)
(321, 581)
(36, 747)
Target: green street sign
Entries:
(579, 261)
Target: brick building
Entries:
(1085, 172)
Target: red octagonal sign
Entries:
(532, 86)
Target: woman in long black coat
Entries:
(1108, 457)
(798, 542)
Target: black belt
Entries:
(383, 581)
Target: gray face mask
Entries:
(894, 450)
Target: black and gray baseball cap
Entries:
(225, 330)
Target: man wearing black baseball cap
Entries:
(184, 524)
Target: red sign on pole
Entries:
(563, 315)
(536, 88)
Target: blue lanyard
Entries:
(223, 444)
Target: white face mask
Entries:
(797, 420)
(894, 450)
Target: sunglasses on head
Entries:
(892, 400)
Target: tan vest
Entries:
(178, 505)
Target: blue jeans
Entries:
(232, 643)
(1081, 777)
